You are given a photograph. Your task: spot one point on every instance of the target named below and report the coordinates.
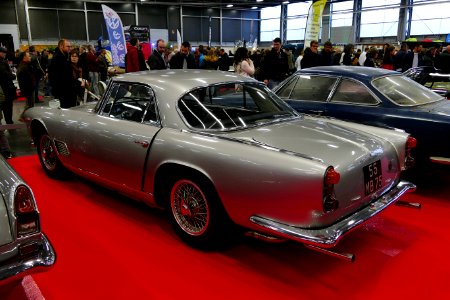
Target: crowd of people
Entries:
(389, 57)
(69, 71)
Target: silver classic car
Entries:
(24, 249)
(216, 150)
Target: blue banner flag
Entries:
(116, 36)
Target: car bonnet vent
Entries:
(61, 147)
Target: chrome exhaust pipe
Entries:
(345, 256)
(409, 204)
(263, 237)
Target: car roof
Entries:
(178, 82)
(357, 72)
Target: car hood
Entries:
(315, 139)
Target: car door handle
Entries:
(144, 144)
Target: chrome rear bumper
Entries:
(328, 237)
(34, 254)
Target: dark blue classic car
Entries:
(375, 97)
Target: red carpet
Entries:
(111, 248)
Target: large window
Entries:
(379, 18)
(296, 22)
(430, 18)
(342, 14)
(270, 26)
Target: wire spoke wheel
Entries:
(190, 207)
(47, 153)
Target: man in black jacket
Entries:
(311, 56)
(156, 60)
(7, 85)
(224, 61)
(60, 73)
(183, 59)
(275, 65)
(413, 58)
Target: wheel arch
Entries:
(163, 180)
(37, 128)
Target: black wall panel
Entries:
(127, 19)
(153, 16)
(56, 4)
(44, 24)
(250, 29)
(250, 14)
(66, 19)
(201, 12)
(192, 29)
(173, 20)
(117, 7)
(21, 19)
(96, 25)
(42, 3)
(70, 5)
(215, 29)
(231, 30)
(72, 25)
(231, 13)
(8, 12)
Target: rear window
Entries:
(404, 91)
(232, 106)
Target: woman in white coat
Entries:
(243, 65)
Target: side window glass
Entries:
(313, 88)
(285, 91)
(128, 101)
(353, 92)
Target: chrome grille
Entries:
(61, 147)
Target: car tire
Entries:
(196, 213)
(49, 157)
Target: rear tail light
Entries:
(331, 178)
(411, 144)
(25, 211)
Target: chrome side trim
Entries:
(20, 266)
(440, 160)
(329, 236)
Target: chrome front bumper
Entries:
(34, 254)
(328, 237)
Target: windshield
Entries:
(232, 106)
(404, 91)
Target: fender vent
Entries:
(61, 147)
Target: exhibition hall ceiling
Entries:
(244, 4)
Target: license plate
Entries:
(372, 177)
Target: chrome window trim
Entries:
(107, 94)
(341, 79)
